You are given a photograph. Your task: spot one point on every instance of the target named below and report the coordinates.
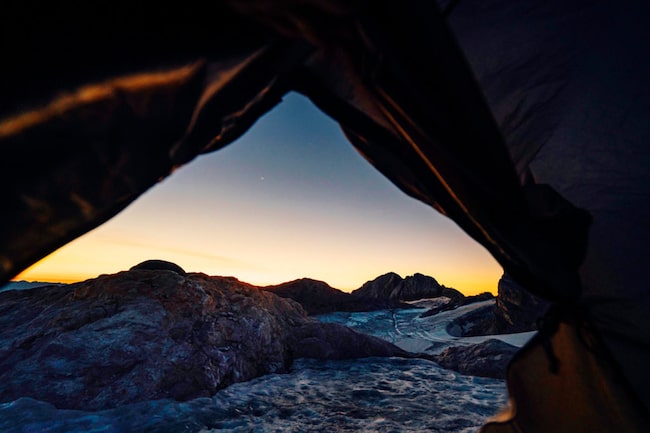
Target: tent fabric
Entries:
(568, 384)
(568, 85)
(524, 122)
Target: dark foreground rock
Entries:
(149, 334)
(487, 359)
(318, 297)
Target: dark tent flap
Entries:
(526, 123)
(582, 392)
(567, 82)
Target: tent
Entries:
(524, 122)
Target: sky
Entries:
(290, 199)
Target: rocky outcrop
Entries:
(458, 302)
(148, 334)
(318, 297)
(487, 359)
(516, 310)
(392, 286)
(339, 342)
(159, 265)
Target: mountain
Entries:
(24, 285)
(318, 297)
(393, 286)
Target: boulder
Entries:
(487, 359)
(516, 310)
(149, 334)
(160, 265)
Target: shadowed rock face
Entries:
(517, 310)
(150, 334)
(392, 286)
(487, 359)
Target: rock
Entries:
(458, 302)
(318, 297)
(516, 310)
(485, 296)
(339, 342)
(473, 323)
(148, 334)
(418, 286)
(159, 265)
(487, 359)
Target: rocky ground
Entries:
(158, 332)
(155, 332)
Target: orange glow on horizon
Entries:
(95, 254)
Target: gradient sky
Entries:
(290, 199)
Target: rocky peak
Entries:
(381, 287)
(318, 297)
(417, 286)
(414, 287)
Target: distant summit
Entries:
(394, 287)
(318, 297)
(25, 285)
